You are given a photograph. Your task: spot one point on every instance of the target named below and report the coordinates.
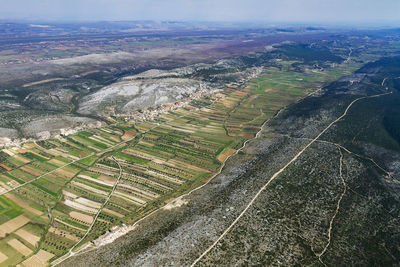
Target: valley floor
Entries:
(63, 193)
(316, 187)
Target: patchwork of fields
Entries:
(58, 194)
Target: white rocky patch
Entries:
(108, 94)
(95, 59)
(162, 92)
(7, 135)
(137, 92)
(55, 125)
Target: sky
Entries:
(315, 11)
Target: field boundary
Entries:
(276, 174)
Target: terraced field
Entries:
(58, 194)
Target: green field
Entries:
(58, 186)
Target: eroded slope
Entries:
(336, 204)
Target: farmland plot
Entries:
(59, 193)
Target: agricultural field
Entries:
(59, 194)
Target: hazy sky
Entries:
(354, 11)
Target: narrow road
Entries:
(350, 152)
(277, 174)
(59, 260)
(319, 255)
(71, 252)
(383, 82)
(236, 152)
(76, 160)
(30, 181)
(349, 56)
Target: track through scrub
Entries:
(278, 173)
(319, 255)
(82, 249)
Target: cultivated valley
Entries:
(240, 147)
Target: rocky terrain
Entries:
(319, 186)
(199, 147)
(46, 127)
(95, 78)
(132, 95)
(156, 87)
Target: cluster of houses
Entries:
(152, 113)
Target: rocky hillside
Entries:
(319, 186)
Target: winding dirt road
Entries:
(71, 251)
(277, 174)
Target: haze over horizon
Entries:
(307, 11)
